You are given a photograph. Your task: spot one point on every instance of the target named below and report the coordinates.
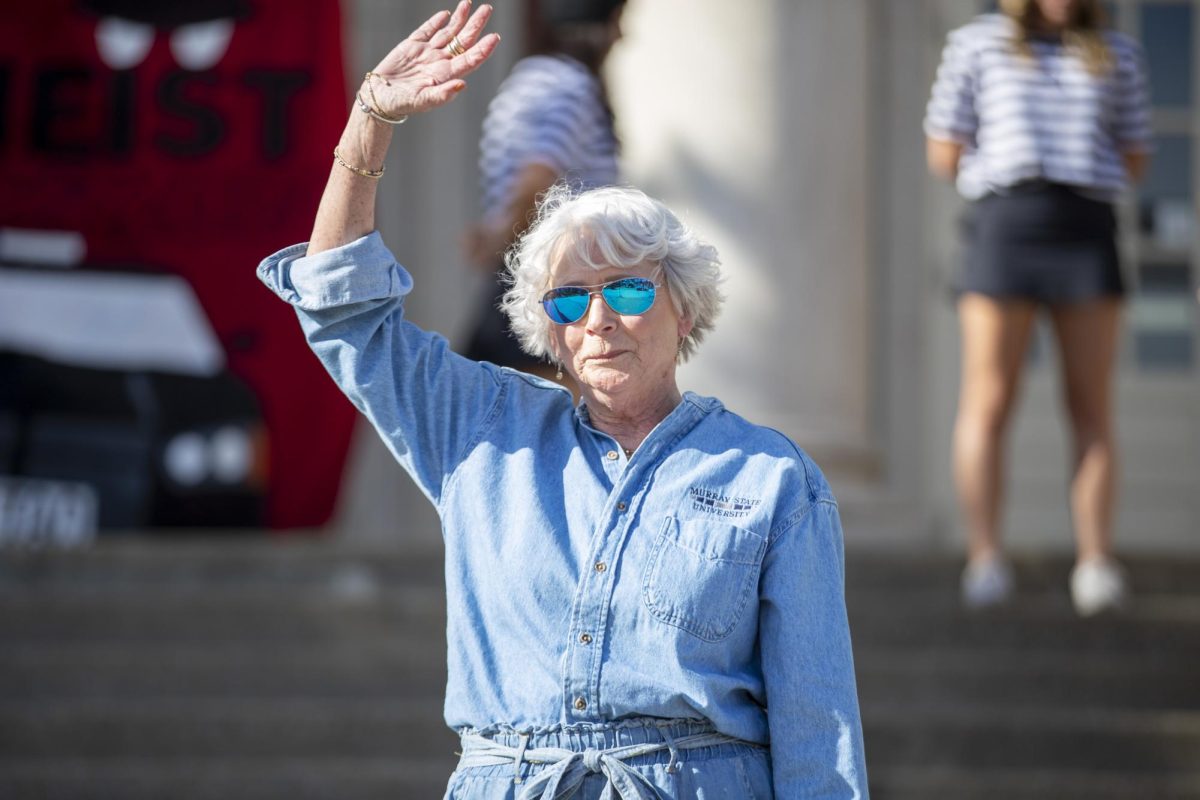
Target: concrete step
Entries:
(923, 783)
(1054, 678)
(401, 664)
(904, 572)
(231, 615)
(123, 562)
(1156, 627)
(313, 777)
(1029, 737)
(237, 727)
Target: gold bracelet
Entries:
(375, 112)
(366, 173)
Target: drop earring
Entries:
(558, 375)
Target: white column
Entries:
(751, 121)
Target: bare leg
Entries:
(1087, 335)
(995, 335)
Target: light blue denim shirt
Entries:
(702, 578)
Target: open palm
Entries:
(422, 72)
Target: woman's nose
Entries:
(599, 316)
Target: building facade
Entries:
(789, 133)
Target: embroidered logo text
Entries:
(714, 502)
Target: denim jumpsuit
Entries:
(668, 625)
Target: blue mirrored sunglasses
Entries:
(629, 297)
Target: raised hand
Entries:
(426, 70)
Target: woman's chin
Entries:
(605, 378)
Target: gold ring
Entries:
(455, 47)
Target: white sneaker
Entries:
(1098, 584)
(986, 583)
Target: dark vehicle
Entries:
(126, 392)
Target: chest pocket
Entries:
(701, 576)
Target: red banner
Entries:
(190, 139)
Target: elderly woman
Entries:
(645, 591)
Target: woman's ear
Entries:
(685, 326)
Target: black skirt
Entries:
(1041, 241)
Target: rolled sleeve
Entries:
(808, 666)
(426, 402)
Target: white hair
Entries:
(616, 226)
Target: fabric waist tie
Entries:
(568, 768)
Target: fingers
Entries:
(460, 66)
(457, 20)
(431, 26)
(470, 61)
(426, 55)
(474, 26)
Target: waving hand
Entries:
(424, 71)
(427, 69)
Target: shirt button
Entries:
(621, 506)
(586, 638)
(601, 566)
(611, 455)
(580, 704)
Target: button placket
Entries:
(598, 592)
(596, 588)
(592, 607)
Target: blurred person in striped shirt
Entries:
(550, 123)
(1040, 116)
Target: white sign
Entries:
(107, 320)
(43, 513)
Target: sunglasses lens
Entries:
(566, 304)
(629, 296)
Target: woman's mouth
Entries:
(607, 356)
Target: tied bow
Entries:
(569, 769)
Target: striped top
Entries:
(1043, 117)
(550, 110)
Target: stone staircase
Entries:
(1031, 701)
(258, 668)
